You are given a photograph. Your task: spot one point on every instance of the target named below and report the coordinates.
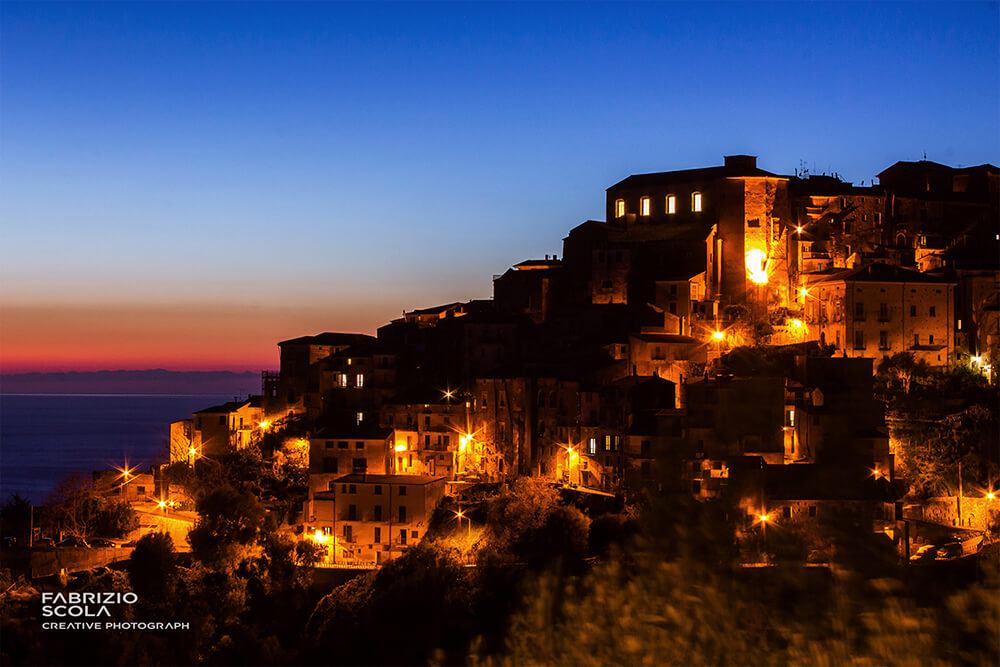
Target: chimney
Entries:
(744, 162)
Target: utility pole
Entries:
(960, 492)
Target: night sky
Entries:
(183, 185)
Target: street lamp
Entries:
(459, 515)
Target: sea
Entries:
(45, 438)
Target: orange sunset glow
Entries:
(174, 337)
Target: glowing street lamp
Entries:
(264, 424)
(719, 335)
(798, 229)
(990, 495)
(459, 515)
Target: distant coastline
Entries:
(151, 382)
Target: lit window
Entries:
(343, 379)
(644, 206)
(696, 202)
(620, 208)
(592, 446)
(671, 204)
(359, 380)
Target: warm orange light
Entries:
(193, 451)
(161, 504)
(264, 425)
(463, 442)
(803, 292)
(718, 335)
(401, 447)
(876, 473)
(990, 495)
(756, 262)
(798, 229)
(449, 393)
(459, 514)
(764, 518)
(797, 324)
(319, 537)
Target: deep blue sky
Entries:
(284, 169)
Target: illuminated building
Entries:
(878, 310)
(373, 518)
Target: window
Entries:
(859, 340)
(620, 208)
(352, 512)
(671, 204)
(330, 465)
(141, 490)
(644, 206)
(359, 380)
(913, 311)
(786, 511)
(753, 222)
(378, 514)
(402, 514)
(359, 444)
(378, 489)
(222, 420)
(427, 422)
(342, 380)
(859, 311)
(378, 535)
(883, 312)
(930, 339)
(359, 465)
(696, 202)
(328, 444)
(933, 311)
(348, 534)
(883, 340)
(352, 488)
(812, 510)
(916, 339)
(413, 534)
(402, 536)
(592, 446)
(402, 490)
(342, 444)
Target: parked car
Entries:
(43, 542)
(104, 542)
(949, 551)
(76, 542)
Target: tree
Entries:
(227, 518)
(15, 518)
(152, 566)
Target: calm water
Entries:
(44, 438)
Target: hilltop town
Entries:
(719, 333)
(749, 418)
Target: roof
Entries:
(365, 478)
(538, 264)
(666, 338)
(687, 175)
(231, 406)
(879, 272)
(329, 338)
(434, 310)
(364, 431)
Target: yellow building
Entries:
(879, 310)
